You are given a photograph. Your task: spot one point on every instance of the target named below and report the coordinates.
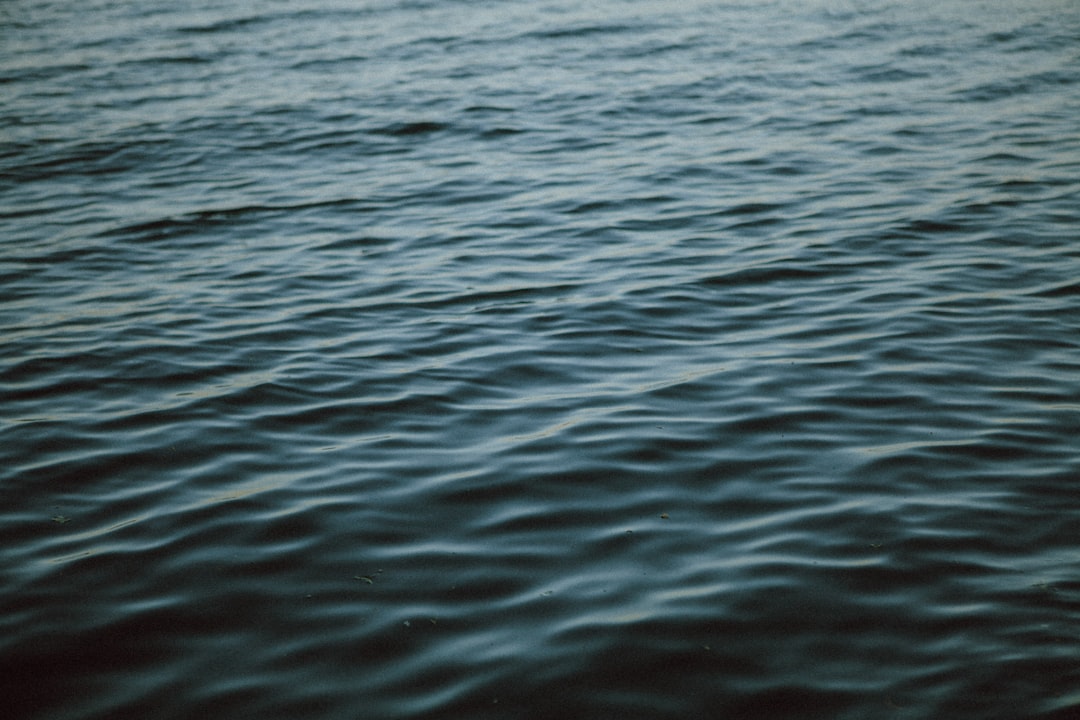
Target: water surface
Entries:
(538, 360)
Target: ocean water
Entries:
(624, 359)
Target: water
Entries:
(540, 359)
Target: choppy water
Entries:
(540, 359)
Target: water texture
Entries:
(628, 359)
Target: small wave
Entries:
(408, 129)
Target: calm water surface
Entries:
(532, 360)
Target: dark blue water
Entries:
(540, 359)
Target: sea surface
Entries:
(540, 359)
